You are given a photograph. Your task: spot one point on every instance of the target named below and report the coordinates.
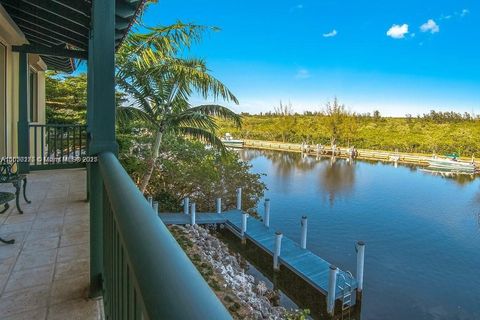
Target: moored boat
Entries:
(452, 164)
(229, 141)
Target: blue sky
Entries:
(395, 56)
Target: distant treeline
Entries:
(434, 132)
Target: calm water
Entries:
(422, 231)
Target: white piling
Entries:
(150, 200)
(266, 218)
(219, 205)
(278, 248)
(360, 264)
(186, 205)
(244, 225)
(303, 242)
(332, 285)
(193, 212)
(239, 198)
(155, 207)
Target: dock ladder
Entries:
(345, 285)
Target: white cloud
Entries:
(398, 31)
(297, 7)
(302, 74)
(330, 34)
(464, 12)
(430, 26)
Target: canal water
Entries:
(422, 231)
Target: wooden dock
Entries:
(308, 266)
(375, 155)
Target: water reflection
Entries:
(416, 225)
(337, 178)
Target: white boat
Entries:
(229, 141)
(453, 165)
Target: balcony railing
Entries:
(57, 145)
(146, 274)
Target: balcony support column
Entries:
(101, 124)
(22, 125)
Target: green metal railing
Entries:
(57, 145)
(146, 274)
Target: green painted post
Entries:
(101, 124)
(22, 126)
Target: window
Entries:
(33, 96)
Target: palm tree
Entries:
(159, 85)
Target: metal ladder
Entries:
(345, 286)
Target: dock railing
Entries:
(146, 273)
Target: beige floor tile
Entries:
(50, 223)
(39, 314)
(54, 212)
(41, 244)
(75, 228)
(70, 289)
(69, 239)
(43, 233)
(29, 260)
(74, 252)
(72, 269)
(76, 310)
(6, 265)
(16, 227)
(18, 218)
(28, 278)
(24, 300)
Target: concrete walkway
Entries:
(45, 274)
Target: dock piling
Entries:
(304, 224)
(239, 198)
(150, 200)
(332, 285)
(193, 212)
(244, 225)
(266, 218)
(278, 248)
(219, 205)
(155, 207)
(360, 248)
(186, 205)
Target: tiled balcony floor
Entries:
(45, 274)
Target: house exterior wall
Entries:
(11, 35)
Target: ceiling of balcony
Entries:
(65, 24)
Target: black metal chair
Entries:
(7, 175)
(5, 197)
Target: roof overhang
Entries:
(58, 30)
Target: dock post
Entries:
(193, 211)
(219, 205)
(186, 205)
(266, 218)
(278, 248)
(239, 198)
(155, 207)
(150, 200)
(360, 248)
(332, 285)
(303, 242)
(244, 226)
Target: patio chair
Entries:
(7, 175)
(5, 197)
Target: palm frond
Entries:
(202, 135)
(218, 111)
